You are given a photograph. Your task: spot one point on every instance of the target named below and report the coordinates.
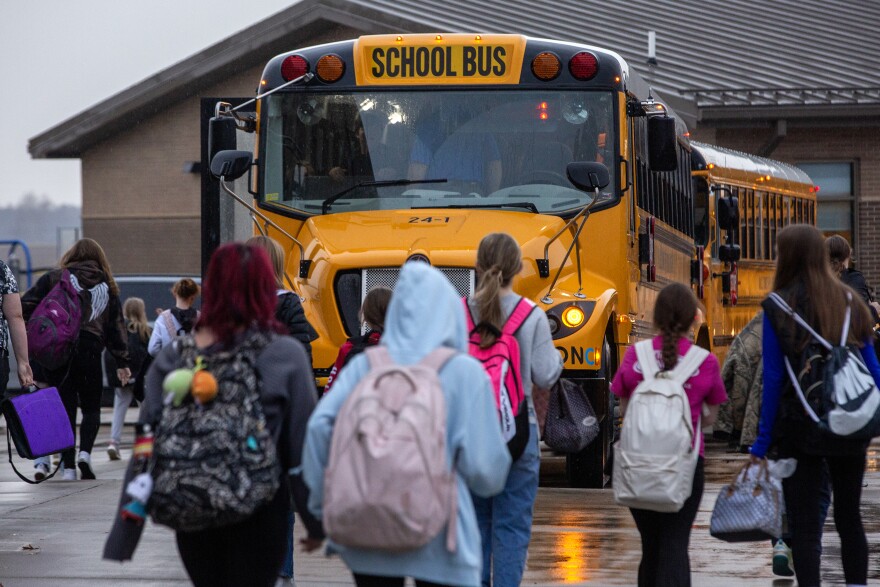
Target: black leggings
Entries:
(377, 581)
(803, 502)
(247, 554)
(82, 386)
(665, 539)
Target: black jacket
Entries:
(289, 312)
(855, 279)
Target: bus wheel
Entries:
(592, 466)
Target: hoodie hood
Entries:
(425, 313)
(88, 273)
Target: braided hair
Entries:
(674, 313)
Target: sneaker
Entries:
(113, 451)
(41, 471)
(68, 474)
(85, 465)
(782, 564)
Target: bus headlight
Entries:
(572, 317)
(566, 319)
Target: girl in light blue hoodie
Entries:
(425, 313)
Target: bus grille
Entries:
(352, 287)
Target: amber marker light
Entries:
(478, 38)
(546, 66)
(572, 316)
(330, 68)
(438, 38)
(710, 166)
(399, 39)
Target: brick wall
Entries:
(859, 145)
(137, 200)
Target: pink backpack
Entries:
(388, 485)
(502, 363)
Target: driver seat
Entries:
(547, 158)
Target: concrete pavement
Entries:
(52, 535)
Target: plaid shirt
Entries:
(7, 286)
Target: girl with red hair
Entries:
(238, 308)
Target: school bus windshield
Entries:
(439, 148)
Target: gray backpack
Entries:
(215, 464)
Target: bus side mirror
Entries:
(588, 175)
(662, 155)
(230, 164)
(728, 213)
(221, 135)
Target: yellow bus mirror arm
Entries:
(584, 214)
(303, 263)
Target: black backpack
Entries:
(215, 464)
(834, 386)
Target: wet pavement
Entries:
(52, 535)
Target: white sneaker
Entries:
(113, 451)
(41, 471)
(68, 474)
(85, 465)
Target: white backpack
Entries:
(655, 458)
(388, 485)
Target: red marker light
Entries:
(293, 67)
(584, 66)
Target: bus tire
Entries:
(591, 467)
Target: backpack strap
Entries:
(438, 357)
(777, 299)
(846, 319)
(169, 324)
(646, 358)
(518, 317)
(468, 316)
(688, 364)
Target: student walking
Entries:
(80, 380)
(139, 331)
(12, 322)
(506, 519)
(424, 315)
(372, 316)
(289, 312)
(666, 535)
(805, 281)
(176, 321)
(238, 320)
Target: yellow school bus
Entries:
(384, 149)
(738, 252)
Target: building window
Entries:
(836, 197)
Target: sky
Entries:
(60, 57)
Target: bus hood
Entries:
(445, 237)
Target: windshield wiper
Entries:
(527, 205)
(325, 205)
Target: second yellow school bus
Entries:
(385, 149)
(767, 195)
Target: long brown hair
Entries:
(674, 313)
(87, 249)
(499, 260)
(134, 311)
(802, 260)
(276, 255)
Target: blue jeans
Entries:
(506, 520)
(287, 567)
